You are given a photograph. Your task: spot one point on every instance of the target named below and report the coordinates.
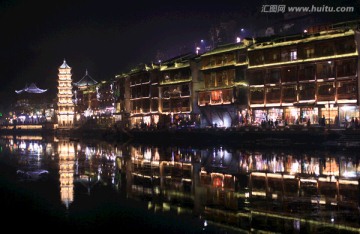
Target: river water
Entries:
(59, 184)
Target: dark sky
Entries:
(104, 37)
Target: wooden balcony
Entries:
(261, 101)
(272, 100)
(347, 96)
(325, 98)
(289, 99)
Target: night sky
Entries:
(104, 37)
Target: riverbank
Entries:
(299, 136)
(293, 136)
(315, 137)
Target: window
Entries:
(256, 77)
(212, 61)
(273, 77)
(309, 52)
(216, 96)
(345, 45)
(256, 58)
(289, 94)
(204, 98)
(185, 90)
(307, 91)
(273, 95)
(326, 89)
(165, 92)
(205, 62)
(240, 75)
(346, 68)
(220, 80)
(212, 80)
(154, 91)
(227, 96)
(307, 72)
(284, 55)
(305, 51)
(166, 105)
(256, 96)
(325, 48)
(224, 59)
(347, 87)
(272, 55)
(293, 55)
(154, 105)
(325, 70)
(241, 57)
(289, 74)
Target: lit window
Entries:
(293, 55)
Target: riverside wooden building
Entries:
(296, 79)
(304, 77)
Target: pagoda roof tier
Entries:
(87, 80)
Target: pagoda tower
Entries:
(66, 107)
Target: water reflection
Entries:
(66, 155)
(232, 189)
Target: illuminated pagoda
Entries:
(65, 103)
(86, 95)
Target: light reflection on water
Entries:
(211, 189)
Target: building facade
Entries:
(305, 78)
(176, 92)
(222, 98)
(298, 79)
(85, 98)
(122, 103)
(144, 96)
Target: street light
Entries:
(203, 45)
(197, 50)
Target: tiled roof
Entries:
(87, 80)
(32, 88)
